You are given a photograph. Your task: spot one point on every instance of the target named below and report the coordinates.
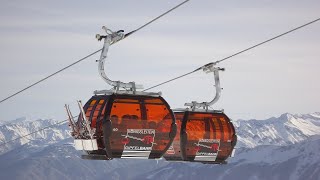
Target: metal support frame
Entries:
(138, 93)
(194, 105)
(75, 129)
(198, 110)
(109, 39)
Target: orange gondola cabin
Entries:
(207, 137)
(128, 126)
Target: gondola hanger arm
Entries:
(209, 68)
(112, 37)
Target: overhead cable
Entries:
(55, 73)
(233, 55)
(80, 60)
(134, 31)
(273, 38)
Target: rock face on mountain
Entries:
(286, 147)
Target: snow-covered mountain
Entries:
(299, 161)
(60, 161)
(284, 130)
(286, 147)
(11, 130)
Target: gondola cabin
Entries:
(203, 135)
(129, 126)
(207, 137)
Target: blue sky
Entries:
(40, 37)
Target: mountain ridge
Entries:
(284, 147)
(283, 130)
